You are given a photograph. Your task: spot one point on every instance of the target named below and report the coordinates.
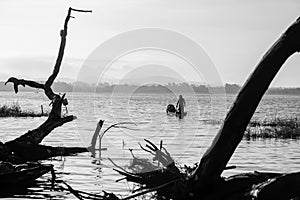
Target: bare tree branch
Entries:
(23, 82)
(34, 137)
(47, 86)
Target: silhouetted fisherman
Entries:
(180, 105)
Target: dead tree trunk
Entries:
(217, 156)
(34, 137)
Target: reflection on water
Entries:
(186, 139)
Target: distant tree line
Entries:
(155, 88)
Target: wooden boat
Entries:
(24, 174)
(171, 110)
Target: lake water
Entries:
(185, 139)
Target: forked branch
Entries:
(54, 120)
(47, 86)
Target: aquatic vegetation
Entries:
(14, 110)
(286, 128)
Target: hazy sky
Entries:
(234, 33)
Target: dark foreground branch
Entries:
(24, 152)
(217, 156)
(34, 137)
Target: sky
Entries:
(234, 35)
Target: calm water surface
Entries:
(185, 139)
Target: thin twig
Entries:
(154, 147)
(79, 10)
(115, 126)
(146, 149)
(117, 165)
(74, 192)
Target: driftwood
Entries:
(31, 140)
